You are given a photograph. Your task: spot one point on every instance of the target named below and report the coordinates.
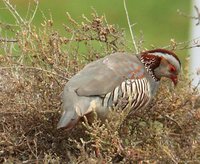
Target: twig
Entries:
(198, 15)
(8, 40)
(71, 19)
(13, 11)
(168, 153)
(34, 152)
(130, 28)
(85, 18)
(36, 8)
(185, 44)
(169, 118)
(23, 112)
(192, 17)
(38, 69)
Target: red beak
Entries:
(174, 79)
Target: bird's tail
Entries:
(68, 119)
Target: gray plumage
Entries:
(102, 83)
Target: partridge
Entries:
(102, 83)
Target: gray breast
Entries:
(133, 92)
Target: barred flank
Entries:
(137, 91)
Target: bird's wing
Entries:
(102, 76)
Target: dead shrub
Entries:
(34, 69)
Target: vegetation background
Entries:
(39, 56)
(157, 21)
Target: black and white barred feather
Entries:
(132, 92)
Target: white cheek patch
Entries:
(170, 58)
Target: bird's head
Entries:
(161, 63)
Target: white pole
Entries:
(195, 52)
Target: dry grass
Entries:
(33, 72)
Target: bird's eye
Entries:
(172, 68)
